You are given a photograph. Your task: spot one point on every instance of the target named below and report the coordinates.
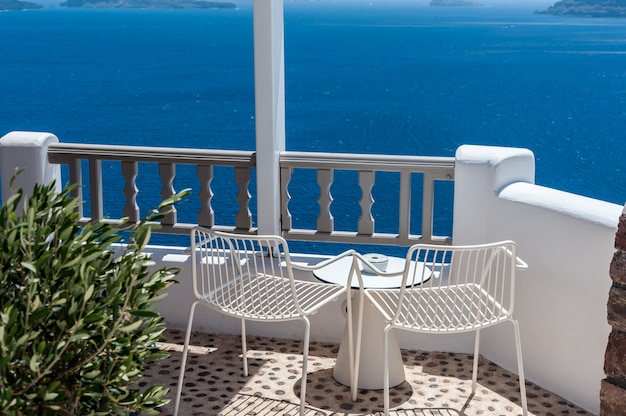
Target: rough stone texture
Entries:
(613, 389)
(616, 309)
(613, 399)
(615, 357)
(617, 270)
(620, 237)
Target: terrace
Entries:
(567, 239)
(438, 383)
(489, 194)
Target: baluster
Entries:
(129, 172)
(243, 220)
(325, 221)
(285, 197)
(167, 172)
(366, 182)
(404, 227)
(206, 216)
(76, 177)
(428, 201)
(95, 188)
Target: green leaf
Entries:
(34, 363)
(29, 266)
(93, 318)
(79, 336)
(89, 292)
(92, 374)
(14, 199)
(157, 298)
(40, 314)
(10, 238)
(132, 327)
(21, 340)
(46, 394)
(50, 396)
(145, 313)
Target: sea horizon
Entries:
(385, 80)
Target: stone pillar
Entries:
(613, 389)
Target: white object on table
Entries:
(371, 371)
(379, 261)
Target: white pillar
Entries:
(269, 85)
(480, 173)
(28, 151)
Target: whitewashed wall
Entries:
(568, 242)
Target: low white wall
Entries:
(568, 242)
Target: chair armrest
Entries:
(321, 264)
(520, 264)
(375, 269)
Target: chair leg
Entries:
(305, 359)
(475, 364)
(354, 346)
(183, 361)
(244, 348)
(386, 368)
(352, 363)
(355, 350)
(359, 339)
(520, 367)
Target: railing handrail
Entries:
(432, 169)
(66, 152)
(360, 161)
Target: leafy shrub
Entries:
(77, 319)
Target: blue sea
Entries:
(383, 77)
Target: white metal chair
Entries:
(471, 287)
(251, 278)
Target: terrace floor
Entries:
(437, 383)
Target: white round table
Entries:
(371, 362)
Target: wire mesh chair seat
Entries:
(247, 303)
(425, 311)
(472, 287)
(251, 278)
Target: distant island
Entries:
(18, 5)
(149, 4)
(587, 8)
(456, 3)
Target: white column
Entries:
(480, 173)
(269, 85)
(28, 151)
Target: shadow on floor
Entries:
(437, 383)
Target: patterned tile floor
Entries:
(437, 383)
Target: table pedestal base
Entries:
(372, 364)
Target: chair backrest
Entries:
(242, 275)
(469, 286)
